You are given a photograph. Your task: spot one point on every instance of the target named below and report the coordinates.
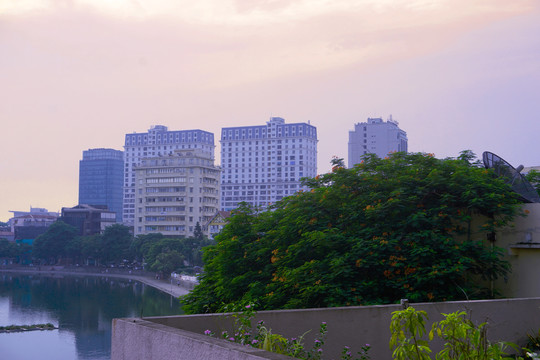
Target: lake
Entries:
(82, 307)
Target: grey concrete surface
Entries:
(137, 339)
(508, 320)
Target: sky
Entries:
(80, 74)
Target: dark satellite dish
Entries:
(511, 176)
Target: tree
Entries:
(167, 262)
(91, 248)
(116, 240)
(533, 177)
(141, 245)
(197, 233)
(387, 229)
(52, 245)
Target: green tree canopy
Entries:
(53, 244)
(116, 241)
(386, 229)
(142, 243)
(167, 262)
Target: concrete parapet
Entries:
(136, 339)
(170, 336)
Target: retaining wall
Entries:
(181, 337)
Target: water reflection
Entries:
(81, 307)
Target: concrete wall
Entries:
(522, 246)
(509, 320)
(136, 339)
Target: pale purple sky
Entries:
(80, 74)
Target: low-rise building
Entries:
(89, 219)
(26, 226)
(218, 221)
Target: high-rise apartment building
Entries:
(101, 173)
(262, 164)
(158, 141)
(375, 136)
(175, 192)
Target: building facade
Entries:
(175, 192)
(89, 219)
(26, 226)
(217, 222)
(375, 136)
(158, 141)
(101, 175)
(262, 164)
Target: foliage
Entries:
(52, 245)
(197, 232)
(463, 340)
(140, 246)
(533, 342)
(19, 328)
(167, 262)
(387, 229)
(264, 339)
(407, 328)
(13, 250)
(61, 241)
(91, 247)
(533, 176)
(116, 239)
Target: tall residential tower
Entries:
(376, 137)
(101, 172)
(264, 163)
(158, 141)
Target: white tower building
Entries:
(376, 137)
(158, 141)
(262, 164)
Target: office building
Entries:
(158, 141)
(175, 192)
(89, 219)
(101, 174)
(262, 164)
(375, 136)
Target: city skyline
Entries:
(80, 74)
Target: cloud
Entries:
(80, 74)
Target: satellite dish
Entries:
(511, 176)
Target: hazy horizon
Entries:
(80, 74)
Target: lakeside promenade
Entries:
(169, 286)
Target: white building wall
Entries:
(375, 136)
(175, 192)
(158, 141)
(262, 164)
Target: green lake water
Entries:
(81, 307)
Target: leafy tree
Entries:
(116, 241)
(141, 245)
(167, 262)
(73, 249)
(533, 177)
(197, 233)
(52, 245)
(387, 229)
(91, 247)
(165, 245)
(8, 249)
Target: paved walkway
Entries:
(163, 285)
